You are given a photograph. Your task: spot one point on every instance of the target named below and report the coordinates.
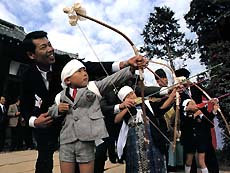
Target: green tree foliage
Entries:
(210, 19)
(163, 39)
(220, 53)
(206, 18)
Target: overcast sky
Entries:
(129, 16)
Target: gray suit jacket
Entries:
(13, 120)
(84, 120)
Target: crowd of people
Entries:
(90, 121)
(13, 127)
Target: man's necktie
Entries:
(74, 93)
(51, 79)
(49, 76)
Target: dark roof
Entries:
(16, 33)
(11, 30)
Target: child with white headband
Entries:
(142, 156)
(84, 123)
(196, 131)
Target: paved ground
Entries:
(23, 162)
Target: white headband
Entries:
(70, 68)
(123, 92)
(185, 102)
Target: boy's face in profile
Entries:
(79, 79)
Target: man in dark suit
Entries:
(40, 84)
(3, 122)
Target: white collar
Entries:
(70, 91)
(1, 105)
(44, 72)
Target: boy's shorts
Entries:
(195, 147)
(78, 151)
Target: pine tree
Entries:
(163, 39)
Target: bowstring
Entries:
(186, 91)
(190, 96)
(102, 64)
(107, 74)
(135, 85)
(94, 52)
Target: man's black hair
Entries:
(27, 43)
(182, 72)
(161, 73)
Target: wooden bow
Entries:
(209, 98)
(219, 110)
(177, 101)
(77, 12)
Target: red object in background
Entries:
(209, 108)
(214, 141)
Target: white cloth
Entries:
(98, 142)
(38, 101)
(139, 118)
(116, 66)
(185, 103)
(123, 92)
(149, 106)
(31, 121)
(58, 99)
(116, 109)
(219, 134)
(122, 139)
(69, 69)
(93, 87)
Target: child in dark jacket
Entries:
(196, 132)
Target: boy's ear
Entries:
(67, 80)
(31, 55)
